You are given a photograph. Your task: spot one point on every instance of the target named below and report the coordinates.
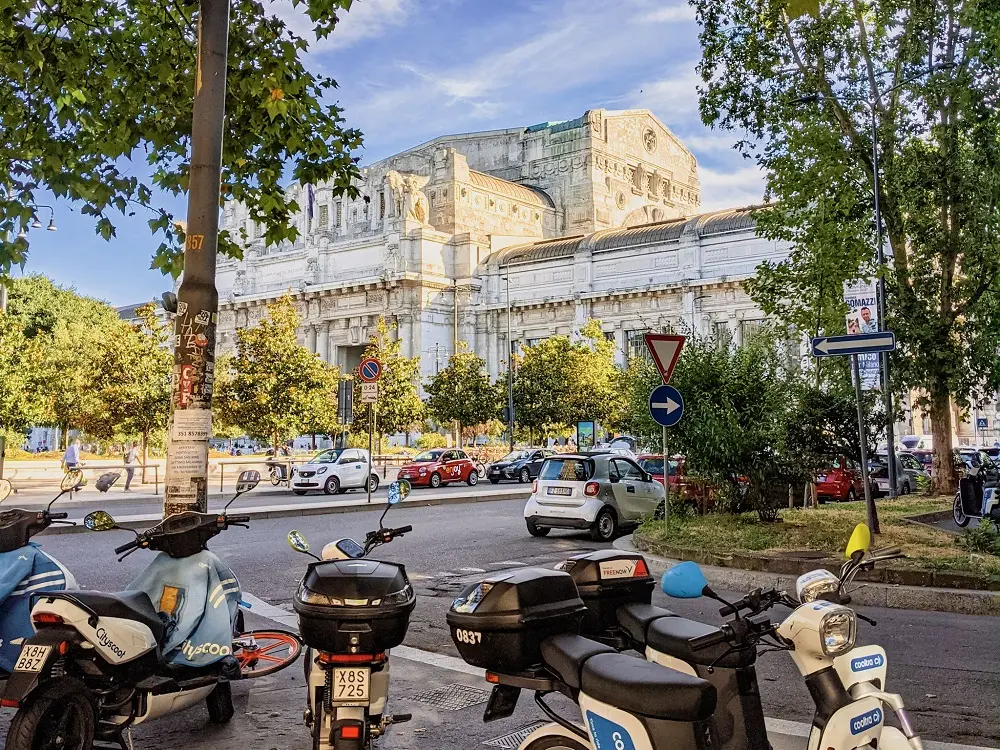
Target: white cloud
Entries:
(738, 187)
(672, 14)
(366, 19)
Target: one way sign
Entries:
(666, 406)
(862, 343)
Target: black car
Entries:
(519, 465)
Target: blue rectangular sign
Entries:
(863, 343)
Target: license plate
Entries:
(32, 658)
(350, 686)
(882, 485)
(565, 491)
(820, 479)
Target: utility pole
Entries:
(510, 367)
(186, 486)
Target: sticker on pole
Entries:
(370, 370)
(665, 349)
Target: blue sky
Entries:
(410, 70)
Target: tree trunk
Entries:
(64, 436)
(944, 460)
(144, 454)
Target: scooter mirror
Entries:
(398, 491)
(99, 520)
(247, 481)
(297, 541)
(70, 480)
(5, 489)
(860, 542)
(684, 581)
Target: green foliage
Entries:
(21, 403)
(274, 387)
(982, 539)
(88, 86)
(399, 406)
(462, 392)
(429, 440)
(938, 135)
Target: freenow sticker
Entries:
(863, 663)
(607, 734)
(618, 568)
(866, 721)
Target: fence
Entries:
(95, 470)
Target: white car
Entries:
(602, 492)
(335, 471)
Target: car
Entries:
(438, 467)
(519, 465)
(605, 493)
(841, 481)
(335, 471)
(878, 472)
(914, 468)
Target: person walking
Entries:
(131, 459)
(71, 460)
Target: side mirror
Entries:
(247, 481)
(398, 491)
(99, 520)
(297, 541)
(70, 480)
(860, 542)
(684, 581)
(613, 478)
(5, 489)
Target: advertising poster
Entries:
(863, 318)
(584, 435)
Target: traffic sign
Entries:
(862, 343)
(982, 423)
(666, 405)
(369, 393)
(665, 349)
(370, 369)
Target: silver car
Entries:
(602, 492)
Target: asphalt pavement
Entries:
(944, 665)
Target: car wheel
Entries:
(534, 529)
(332, 486)
(435, 481)
(299, 492)
(524, 476)
(905, 490)
(473, 479)
(605, 526)
(494, 480)
(958, 512)
(373, 482)
(851, 496)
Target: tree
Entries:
(932, 72)
(89, 86)
(462, 392)
(21, 404)
(399, 406)
(273, 383)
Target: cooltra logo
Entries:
(110, 645)
(867, 662)
(607, 734)
(212, 649)
(866, 721)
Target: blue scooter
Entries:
(26, 569)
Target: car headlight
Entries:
(838, 631)
(403, 596)
(467, 604)
(321, 470)
(311, 597)
(423, 471)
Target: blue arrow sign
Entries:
(862, 343)
(666, 405)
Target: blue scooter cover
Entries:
(201, 596)
(23, 571)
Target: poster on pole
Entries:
(862, 317)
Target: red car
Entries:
(841, 481)
(436, 468)
(653, 464)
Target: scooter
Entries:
(100, 663)
(25, 568)
(351, 612)
(973, 500)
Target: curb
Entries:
(293, 511)
(890, 596)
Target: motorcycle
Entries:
(351, 612)
(101, 663)
(25, 568)
(974, 500)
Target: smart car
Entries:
(438, 467)
(335, 471)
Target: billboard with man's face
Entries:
(862, 317)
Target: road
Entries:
(944, 665)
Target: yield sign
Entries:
(665, 348)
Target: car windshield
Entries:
(515, 456)
(878, 467)
(327, 457)
(566, 470)
(655, 466)
(428, 456)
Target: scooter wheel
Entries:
(264, 652)
(557, 743)
(59, 715)
(220, 704)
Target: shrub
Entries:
(981, 539)
(429, 440)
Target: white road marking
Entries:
(472, 570)
(510, 562)
(442, 661)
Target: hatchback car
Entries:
(438, 467)
(605, 493)
(521, 465)
(840, 481)
(335, 471)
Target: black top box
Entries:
(608, 579)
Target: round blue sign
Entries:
(666, 405)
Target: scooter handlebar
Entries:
(402, 530)
(238, 519)
(58, 516)
(127, 546)
(701, 642)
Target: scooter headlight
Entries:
(838, 631)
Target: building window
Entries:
(381, 203)
(636, 345)
(749, 328)
(610, 336)
(324, 216)
(534, 342)
(338, 213)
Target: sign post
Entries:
(666, 405)
(370, 370)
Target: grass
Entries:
(827, 529)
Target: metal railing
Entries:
(58, 473)
(383, 462)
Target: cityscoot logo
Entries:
(104, 640)
(866, 721)
(212, 649)
(863, 663)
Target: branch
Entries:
(866, 54)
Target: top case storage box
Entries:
(499, 624)
(354, 606)
(606, 580)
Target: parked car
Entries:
(914, 468)
(438, 467)
(605, 493)
(878, 470)
(335, 471)
(652, 464)
(520, 465)
(841, 481)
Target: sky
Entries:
(411, 70)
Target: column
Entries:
(311, 338)
(621, 357)
(323, 342)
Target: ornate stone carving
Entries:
(649, 140)
(312, 270)
(240, 286)
(394, 181)
(375, 298)
(414, 201)
(639, 179)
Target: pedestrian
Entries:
(71, 459)
(131, 458)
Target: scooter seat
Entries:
(671, 636)
(635, 619)
(566, 654)
(128, 605)
(647, 689)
